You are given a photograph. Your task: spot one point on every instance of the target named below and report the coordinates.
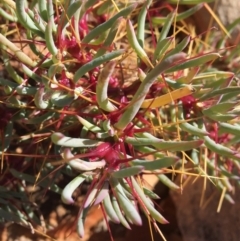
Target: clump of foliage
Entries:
(78, 105)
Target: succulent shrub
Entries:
(77, 103)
